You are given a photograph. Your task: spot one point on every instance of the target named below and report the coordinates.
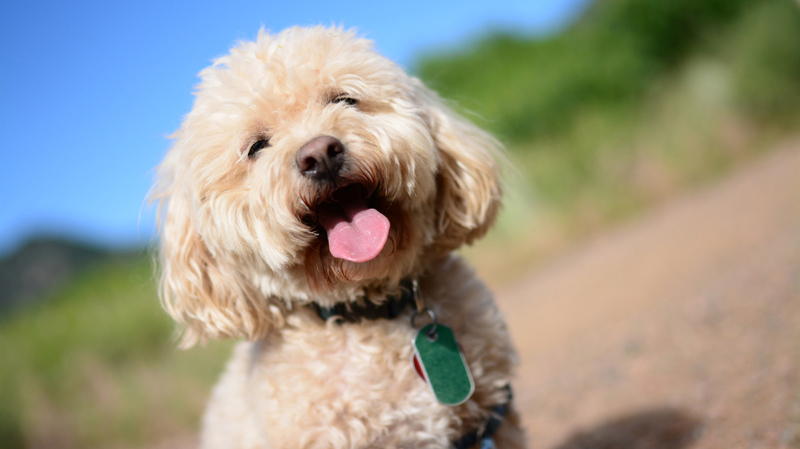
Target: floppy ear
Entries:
(469, 191)
(205, 294)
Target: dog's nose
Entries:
(321, 158)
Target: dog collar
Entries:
(390, 308)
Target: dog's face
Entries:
(311, 169)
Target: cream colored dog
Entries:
(312, 178)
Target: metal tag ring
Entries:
(430, 314)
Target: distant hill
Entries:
(42, 265)
(611, 58)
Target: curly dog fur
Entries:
(244, 247)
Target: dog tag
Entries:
(443, 364)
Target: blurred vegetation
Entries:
(611, 59)
(634, 102)
(95, 365)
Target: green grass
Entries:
(95, 366)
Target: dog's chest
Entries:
(347, 382)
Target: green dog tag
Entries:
(443, 365)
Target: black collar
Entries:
(391, 307)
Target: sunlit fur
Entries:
(240, 257)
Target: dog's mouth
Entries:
(356, 231)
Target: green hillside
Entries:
(95, 364)
(612, 59)
(636, 101)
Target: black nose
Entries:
(321, 158)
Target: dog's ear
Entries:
(469, 190)
(204, 293)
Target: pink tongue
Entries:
(355, 233)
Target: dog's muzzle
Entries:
(356, 231)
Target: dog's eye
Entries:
(257, 146)
(346, 100)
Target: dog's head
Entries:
(311, 169)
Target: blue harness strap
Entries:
(484, 436)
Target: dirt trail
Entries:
(679, 330)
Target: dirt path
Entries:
(679, 330)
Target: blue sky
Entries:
(90, 90)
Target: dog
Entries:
(310, 205)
